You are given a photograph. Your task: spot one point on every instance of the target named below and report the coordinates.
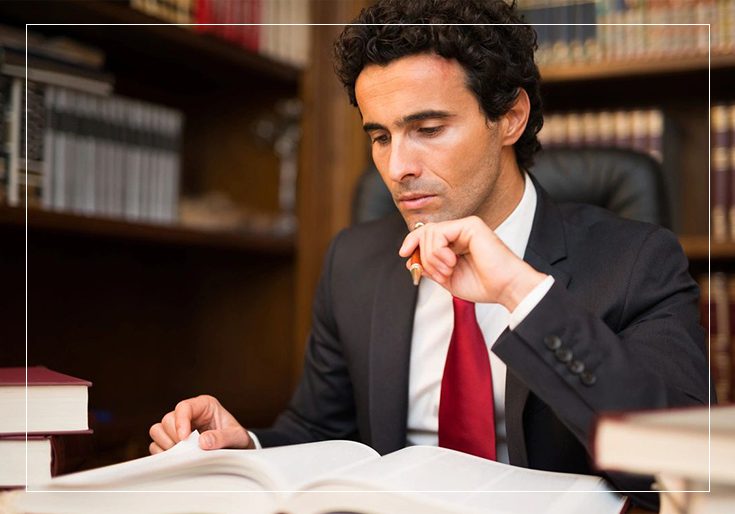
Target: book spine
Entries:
(731, 169)
(655, 124)
(590, 129)
(726, 391)
(720, 335)
(14, 141)
(719, 177)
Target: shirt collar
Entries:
(515, 230)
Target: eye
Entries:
(430, 131)
(381, 139)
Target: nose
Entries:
(403, 161)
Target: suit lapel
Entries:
(390, 348)
(545, 250)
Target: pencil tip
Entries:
(416, 275)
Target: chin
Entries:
(411, 218)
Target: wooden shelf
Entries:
(47, 221)
(700, 248)
(640, 67)
(181, 46)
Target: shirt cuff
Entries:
(531, 300)
(254, 439)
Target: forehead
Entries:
(410, 84)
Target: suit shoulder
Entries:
(597, 222)
(367, 240)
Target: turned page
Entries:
(282, 468)
(476, 484)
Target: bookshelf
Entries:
(40, 221)
(638, 67)
(154, 313)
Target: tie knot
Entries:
(461, 305)
(464, 313)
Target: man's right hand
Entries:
(218, 428)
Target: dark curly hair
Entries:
(497, 59)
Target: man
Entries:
(581, 312)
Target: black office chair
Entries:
(626, 182)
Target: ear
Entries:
(513, 122)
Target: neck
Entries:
(507, 193)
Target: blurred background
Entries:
(183, 181)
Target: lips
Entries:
(412, 201)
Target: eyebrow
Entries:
(410, 118)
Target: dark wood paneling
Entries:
(151, 325)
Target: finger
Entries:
(436, 245)
(232, 437)
(447, 257)
(168, 424)
(153, 448)
(160, 437)
(410, 242)
(182, 419)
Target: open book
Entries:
(329, 476)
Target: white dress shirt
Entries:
(432, 329)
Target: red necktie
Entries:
(466, 409)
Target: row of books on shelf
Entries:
(50, 421)
(641, 130)
(273, 28)
(722, 162)
(89, 154)
(718, 306)
(573, 31)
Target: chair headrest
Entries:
(626, 182)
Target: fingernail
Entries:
(207, 441)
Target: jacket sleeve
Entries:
(651, 355)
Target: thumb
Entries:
(232, 437)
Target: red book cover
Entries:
(37, 376)
(202, 15)
(254, 30)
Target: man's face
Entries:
(435, 150)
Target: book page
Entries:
(186, 466)
(189, 479)
(176, 469)
(478, 485)
(289, 468)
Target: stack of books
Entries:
(690, 451)
(34, 418)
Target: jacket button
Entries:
(588, 378)
(552, 342)
(563, 355)
(576, 367)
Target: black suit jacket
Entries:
(623, 305)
